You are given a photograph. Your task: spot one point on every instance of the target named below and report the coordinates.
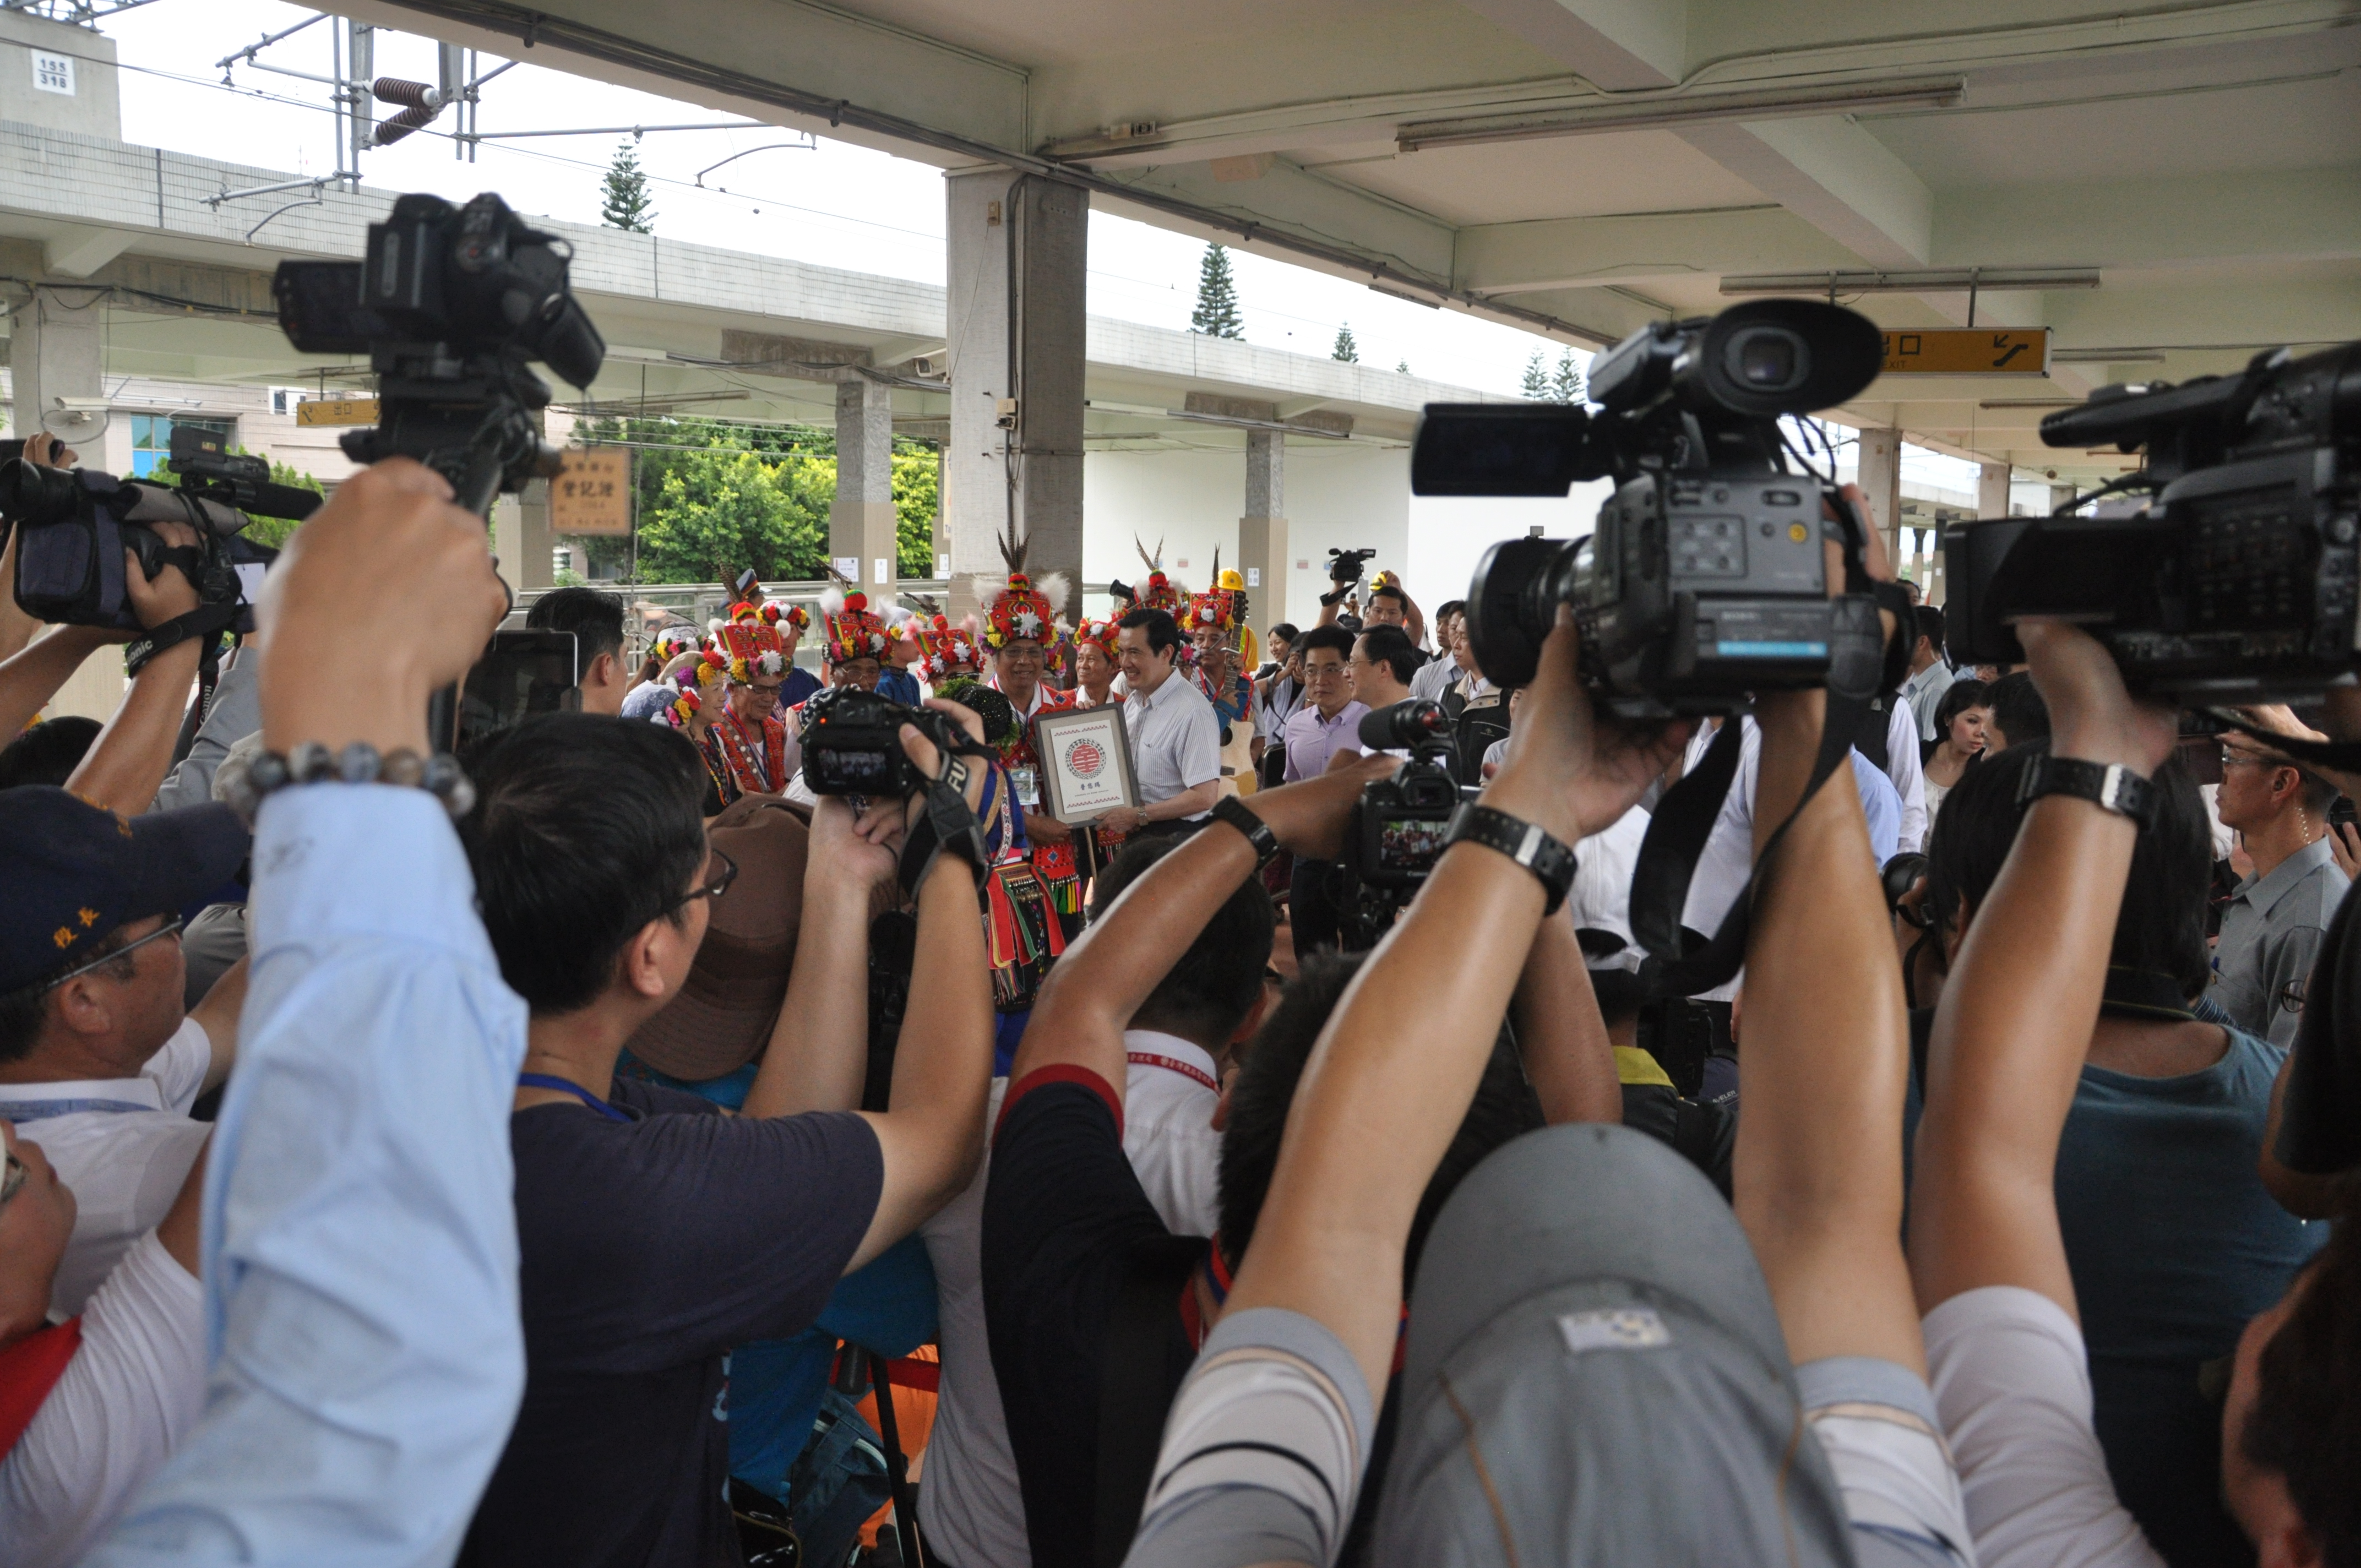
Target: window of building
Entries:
(151, 438)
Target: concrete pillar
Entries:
(2063, 494)
(55, 350)
(1991, 489)
(1017, 331)
(521, 537)
(861, 521)
(1262, 531)
(1880, 481)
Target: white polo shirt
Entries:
(124, 1144)
(1175, 742)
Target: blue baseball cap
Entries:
(74, 871)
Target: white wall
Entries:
(1448, 535)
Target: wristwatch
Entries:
(1529, 846)
(2109, 785)
(1260, 837)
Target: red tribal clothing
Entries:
(756, 759)
(1057, 864)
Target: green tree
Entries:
(1347, 349)
(625, 203)
(918, 498)
(1566, 385)
(1217, 314)
(1537, 381)
(722, 510)
(1401, 367)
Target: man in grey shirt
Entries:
(2272, 927)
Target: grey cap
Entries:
(1596, 1376)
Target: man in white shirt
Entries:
(1931, 675)
(1177, 1051)
(98, 1059)
(1175, 742)
(1435, 676)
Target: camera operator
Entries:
(18, 628)
(1175, 742)
(1930, 672)
(2272, 927)
(360, 1248)
(1989, 1255)
(596, 620)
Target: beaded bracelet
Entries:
(357, 762)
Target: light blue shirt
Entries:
(360, 1246)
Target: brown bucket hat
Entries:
(722, 1017)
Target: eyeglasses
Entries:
(769, 694)
(716, 882)
(169, 928)
(14, 1180)
(2230, 757)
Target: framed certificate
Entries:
(1085, 764)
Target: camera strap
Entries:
(947, 824)
(208, 621)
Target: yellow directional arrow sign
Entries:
(337, 411)
(1976, 352)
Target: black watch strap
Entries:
(1235, 812)
(2109, 786)
(1522, 842)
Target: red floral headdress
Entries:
(851, 629)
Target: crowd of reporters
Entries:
(544, 1164)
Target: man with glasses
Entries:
(2272, 926)
(97, 1054)
(1327, 725)
(750, 736)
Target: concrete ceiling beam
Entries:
(76, 251)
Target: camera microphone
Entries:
(1417, 722)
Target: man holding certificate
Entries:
(1175, 742)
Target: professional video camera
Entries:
(1345, 567)
(449, 304)
(852, 743)
(1399, 823)
(1703, 580)
(75, 524)
(2237, 581)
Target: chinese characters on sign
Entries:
(592, 493)
(337, 411)
(2024, 352)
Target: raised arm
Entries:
(217, 1016)
(819, 1054)
(1397, 1066)
(1561, 1037)
(126, 763)
(32, 676)
(2016, 1014)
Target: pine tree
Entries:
(1537, 381)
(625, 204)
(1401, 367)
(1217, 314)
(1347, 349)
(1566, 385)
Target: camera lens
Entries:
(1767, 359)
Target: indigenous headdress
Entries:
(1015, 610)
(1223, 608)
(1159, 592)
(851, 629)
(1099, 633)
(671, 641)
(749, 647)
(696, 681)
(785, 617)
(947, 652)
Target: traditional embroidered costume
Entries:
(755, 754)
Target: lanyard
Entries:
(1195, 1074)
(36, 1110)
(545, 1080)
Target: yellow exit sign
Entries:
(337, 411)
(1970, 352)
(592, 492)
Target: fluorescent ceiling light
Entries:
(1635, 113)
(1914, 281)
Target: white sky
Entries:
(836, 204)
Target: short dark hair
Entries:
(48, 752)
(2160, 923)
(584, 828)
(2305, 1424)
(1930, 626)
(595, 618)
(25, 1010)
(2018, 710)
(1451, 607)
(1957, 697)
(1163, 631)
(1333, 638)
(1391, 591)
(1391, 646)
(1208, 993)
(1620, 994)
(1284, 631)
(1504, 1108)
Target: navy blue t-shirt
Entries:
(650, 1248)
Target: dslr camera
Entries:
(852, 742)
(76, 523)
(2236, 582)
(450, 304)
(1703, 579)
(1399, 824)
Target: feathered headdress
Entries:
(1015, 609)
(1099, 633)
(946, 651)
(1223, 608)
(851, 629)
(1159, 592)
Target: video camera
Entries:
(1703, 581)
(1399, 823)
(852, 742)
(450, 304)
(75, 523)
(1345, 566)
(2238, 581)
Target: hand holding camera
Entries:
(2092, 715)
(1572, 769)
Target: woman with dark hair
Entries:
(1960, 740)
